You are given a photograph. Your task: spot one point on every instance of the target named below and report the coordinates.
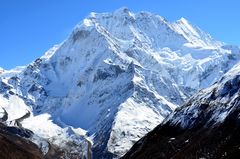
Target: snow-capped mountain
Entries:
(207, 126)
(116, 77)
(1, 70)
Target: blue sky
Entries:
(28, 28)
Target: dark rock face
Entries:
(112, 71)
(15, 147)
(80, 34)
(4, 87)
(166, 141)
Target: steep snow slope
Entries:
(116, 76)
(194, 35)
(207, 126)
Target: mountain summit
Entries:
(116, 77)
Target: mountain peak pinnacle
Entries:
(122, 10)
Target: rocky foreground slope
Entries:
(16, 147)
(116, 77)
(207, 126)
